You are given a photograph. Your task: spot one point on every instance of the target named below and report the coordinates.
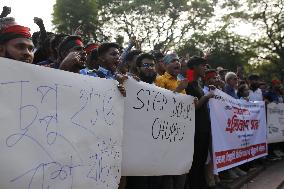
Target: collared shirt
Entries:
(101, 72)
(87, 71)
(167, 81)
(180, 77)
(230, 91)
(255, 95)
(206, 90)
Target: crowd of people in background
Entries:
(187, 75)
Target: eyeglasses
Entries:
(148, 65)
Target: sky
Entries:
(25, 10)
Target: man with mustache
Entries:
(16, 43)
(146, 68)
(169, 80)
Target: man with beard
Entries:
(146, 68)
(146, 72)
(16, 43)
(255, 94)
(169, 79)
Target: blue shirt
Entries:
(48, 63)
(230, 91)
(272, 96)
(206, 90)
(101, 72)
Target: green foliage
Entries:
(167, 24)
(157, 23)
(222, 48)
(69, 14)
(268, 17)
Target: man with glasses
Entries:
(146, 72)
(146, 68)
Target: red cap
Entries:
(17, 29)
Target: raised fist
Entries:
(5, 12)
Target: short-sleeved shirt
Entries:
(167, 81)
(202, 117)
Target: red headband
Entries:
(276, 82)
(91, 47)
(210, 75)
(17, 29)
(79, 42)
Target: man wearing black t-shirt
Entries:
(196, 179)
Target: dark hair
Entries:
(62, 46)
(104, 47)
(130, 56)
(157, 55)
(242, 82)
(91, 58)
(143, 56)
(253, 77)
(55, 41)
(241, 89)
(195, 61)
(35, 38)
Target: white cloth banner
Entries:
(275, 122)
(158, 133)
(238, 131)
(58, 129)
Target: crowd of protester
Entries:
(192, 76)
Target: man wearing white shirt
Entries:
(255, 93)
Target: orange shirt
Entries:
(167, 81)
